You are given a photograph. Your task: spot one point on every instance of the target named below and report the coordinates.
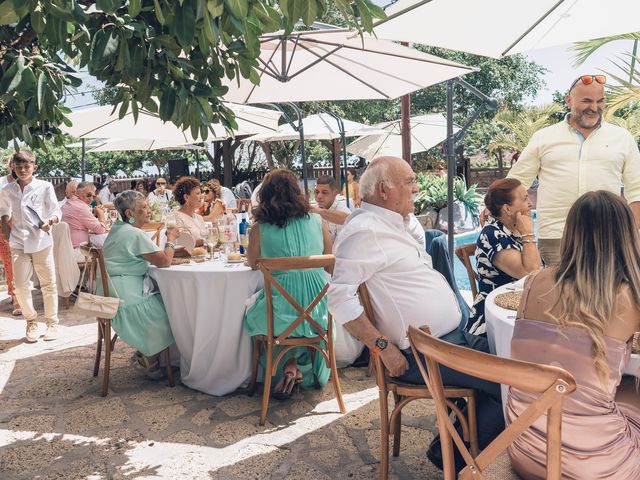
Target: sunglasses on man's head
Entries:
(589, 79)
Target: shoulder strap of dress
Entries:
(525, 293)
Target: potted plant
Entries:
(431, 200)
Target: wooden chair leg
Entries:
(396, 428)
(370, 367)
(266, 391)
(96, 365)
(316, 382)
(384, 434)
(107, 358)
(473, 427)
(255, 355)
(167, 358)
(334, 377)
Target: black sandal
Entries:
(290, 382)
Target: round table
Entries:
(206, 303)
(500, 325)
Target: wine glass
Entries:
(113, 216)
(244, 240)
(204, 234)
(212, 238)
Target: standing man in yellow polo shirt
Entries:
(582, 153)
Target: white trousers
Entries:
(346, 347)
(23, 266)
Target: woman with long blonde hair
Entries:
(582, 315)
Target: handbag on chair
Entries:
(91, 305)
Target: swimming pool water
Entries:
(462, 279)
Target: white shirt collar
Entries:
(397, 220)
(393, 217)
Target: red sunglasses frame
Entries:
(589, 79)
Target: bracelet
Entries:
(527, 235)
(171, 245)
(528, 241)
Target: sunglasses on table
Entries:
(589, 79)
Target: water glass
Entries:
(170, 221)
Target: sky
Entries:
(561, 72)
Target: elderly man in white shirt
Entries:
(69, 192)
(34, 209)
(376, 247)
(332, 206)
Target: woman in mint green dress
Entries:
(285, 228)
(142, 320)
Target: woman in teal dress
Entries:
(142, 320)
(285, 228)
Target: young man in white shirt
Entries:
(106, 196)
(376, 246)
(34, 209)
(161, 195)
(332, 206)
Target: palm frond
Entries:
(516, 128)
(624, 94)
(583, 50)
(630, 123)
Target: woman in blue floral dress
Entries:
(506, 248)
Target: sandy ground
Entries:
(55, 425)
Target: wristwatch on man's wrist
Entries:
(380, 345)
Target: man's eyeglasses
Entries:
(161, 183)
(589, 79)
(206, 192)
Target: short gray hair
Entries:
(376, 172)
(83, 185)
(127, 201)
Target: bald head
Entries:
(586, 104)
(70, 189)
(389, 182)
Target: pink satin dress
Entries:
(600, 438)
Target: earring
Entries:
(131, 220)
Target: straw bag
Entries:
(99, 306)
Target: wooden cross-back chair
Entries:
(552, 383)
(464, 253)
(270, 341)
(154, 227)
(405, 393)
(95, 263)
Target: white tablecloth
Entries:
(206, 303)
(500, 325)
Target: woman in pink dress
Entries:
(581, 316)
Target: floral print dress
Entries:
(494, 238)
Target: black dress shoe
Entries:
(434, 454)
(363, 359)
